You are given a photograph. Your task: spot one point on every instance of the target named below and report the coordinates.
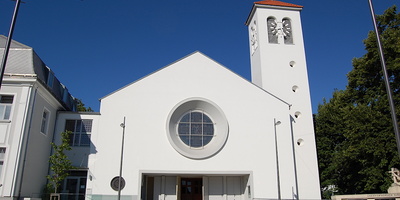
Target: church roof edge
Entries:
(277, 3)
(204, 55)
(195, 52)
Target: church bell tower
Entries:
(278, 65)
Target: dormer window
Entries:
(50, 79)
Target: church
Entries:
(192, 130)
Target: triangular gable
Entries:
(191, 62)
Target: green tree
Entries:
(355, 138)
(81, 106)
(59, 162)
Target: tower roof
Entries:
(273, 4)
(277, 3)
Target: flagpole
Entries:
(386, 79)
(9, 38)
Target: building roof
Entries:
(23, 60)
(273, 4)
(277, 3)
(191, 62)
(14, 44)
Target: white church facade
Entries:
(196, 130)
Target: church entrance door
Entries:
(191, 188)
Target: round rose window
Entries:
(196, 129)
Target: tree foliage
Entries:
(59, 162)
(81, 106)
(355, 138)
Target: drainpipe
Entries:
(32, 106)
(52, 140)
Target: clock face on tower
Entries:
(287, 31)
(279, 32)
(272, 26)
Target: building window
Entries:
(196, 129)
(50, 79)
(80, 131)
(5, 106)
(2, 155)
(45, 122)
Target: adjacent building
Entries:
(30, 97)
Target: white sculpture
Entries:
(395, 175)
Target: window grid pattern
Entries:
(80, 131)
(5, 106)
(196, 129)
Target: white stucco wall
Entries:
(271, 70)
(38, 148)
(27, 148)
(78, 155)
(14, 129)
(250, 112)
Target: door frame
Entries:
(77, 194)
(193, 189)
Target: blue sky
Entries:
(96, 46)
